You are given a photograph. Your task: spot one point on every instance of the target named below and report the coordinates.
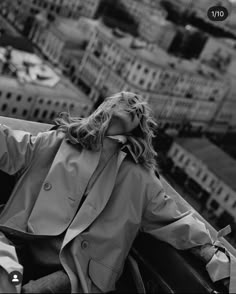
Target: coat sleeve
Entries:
(164, 220)
(16, 149)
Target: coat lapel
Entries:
(68, 176)
(96, 200)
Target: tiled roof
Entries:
(219, 162)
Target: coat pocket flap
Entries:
(102, 276)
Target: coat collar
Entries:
(123, 140)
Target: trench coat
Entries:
(127, 199)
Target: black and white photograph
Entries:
(118, 146)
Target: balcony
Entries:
(163, 269)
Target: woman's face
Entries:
(122, 122)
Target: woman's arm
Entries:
(164, 220)
(16, 149)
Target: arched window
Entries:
(44, 114)
(36, 112)
(8, 95)
(52, 115)
(18, 98)
(24, 112)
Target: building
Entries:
(31, 90)
(64, 8)
(156, 29)
(210, 173)
(21, 13)
(183, 94)
(220, 54)
(139, 9)
(61, 40)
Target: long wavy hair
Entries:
(90, 131)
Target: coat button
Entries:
(84, 244)
(47, 186)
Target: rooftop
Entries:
(29, 72)
(219, 162)
(19, 43)
(28, 67)
(155, 55)
(61, 90)
(72, 31)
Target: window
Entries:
(44, 114)
(204, 178)
(8, 95)
(4, 107)
(149, 85)
(181, 157)
(18, 98)
(36, 112)
(24, 112)
(219, 190)
(176, 151)
(227, 197)
(49, 102)
(29, 99)
(187, 161)
(214, 204)
(40, 101)
(234, 204)
(141, 82)
(212, 183)
(14, 110)
(52, 115)
(199, 172)
(0, 93)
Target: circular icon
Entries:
(217, 13)
(15, 277)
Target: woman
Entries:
(85, 191)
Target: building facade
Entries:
(180, 94)
(155, 29)
(31, 90)
(209, 172)
(61, 40)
